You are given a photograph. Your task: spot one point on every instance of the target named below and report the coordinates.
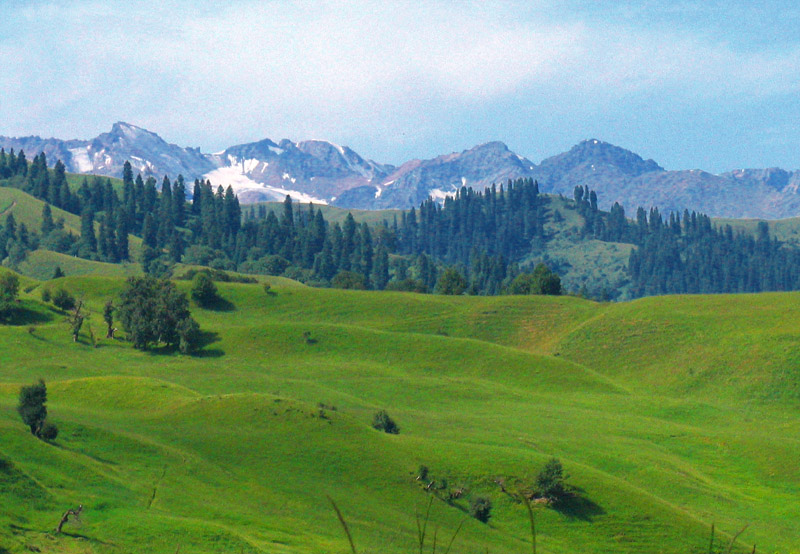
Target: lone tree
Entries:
(32, 409)
(76, 320)
(108, 317)
(382, 422)
(9, 290)
(153, 311)
(204, 291)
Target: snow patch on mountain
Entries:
(246, 188)
(80, 159)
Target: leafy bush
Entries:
(188, 335)
(267, 265)
(451, 282)
(9, 290)
(49, 431)
(63, 299)
(407, 285)
(550, 483)
(204, 291)
(542, 281)
(217, 275)
(480, 508)
(382, 422)
(348, 280)
(32, 406)
(46, 295)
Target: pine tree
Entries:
(380, 271)
(122, 237)
(149, 231)
(88, 237)
(179, 202)
(47, 220)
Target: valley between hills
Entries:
(669, 414)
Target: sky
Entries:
(691, 84)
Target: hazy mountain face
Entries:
(323, 172)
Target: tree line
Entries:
(686, 253)
(471, 243)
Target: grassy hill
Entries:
(785, 230)
(668, 414)
(332, 214)
(42, 263)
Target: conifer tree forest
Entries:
(484, 236)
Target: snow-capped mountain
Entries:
(148, 153)
(414, 181)
(313, 170)
(322, 172)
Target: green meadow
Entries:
(669, 414)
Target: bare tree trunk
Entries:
(72, 512)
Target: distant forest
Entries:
(482, 236)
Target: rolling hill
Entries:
(657, 408)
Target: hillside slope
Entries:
(234, 449)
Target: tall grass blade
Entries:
(532, 519)
(736, 536)
(711, 545)
(453, 538)
(344, 524)
(422, 528)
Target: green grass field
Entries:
(332, 214)
(668, 414)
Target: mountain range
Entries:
(323, 172)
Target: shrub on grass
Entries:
(481, 508)
(348, 280)
(451, 282)
(9, 290)
(550, 483)
(204, 291)
(382, 422)
(32, 406)
(63, 299)
(46, 295)
(49, 431)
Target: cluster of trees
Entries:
(687, 253)
(475, 235)
(470, 244)
(482, 234)
(153, 311)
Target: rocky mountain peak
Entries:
(594, 155)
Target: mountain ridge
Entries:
(324, 172)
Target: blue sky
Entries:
(710, 85)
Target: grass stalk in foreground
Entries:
(422, 526)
